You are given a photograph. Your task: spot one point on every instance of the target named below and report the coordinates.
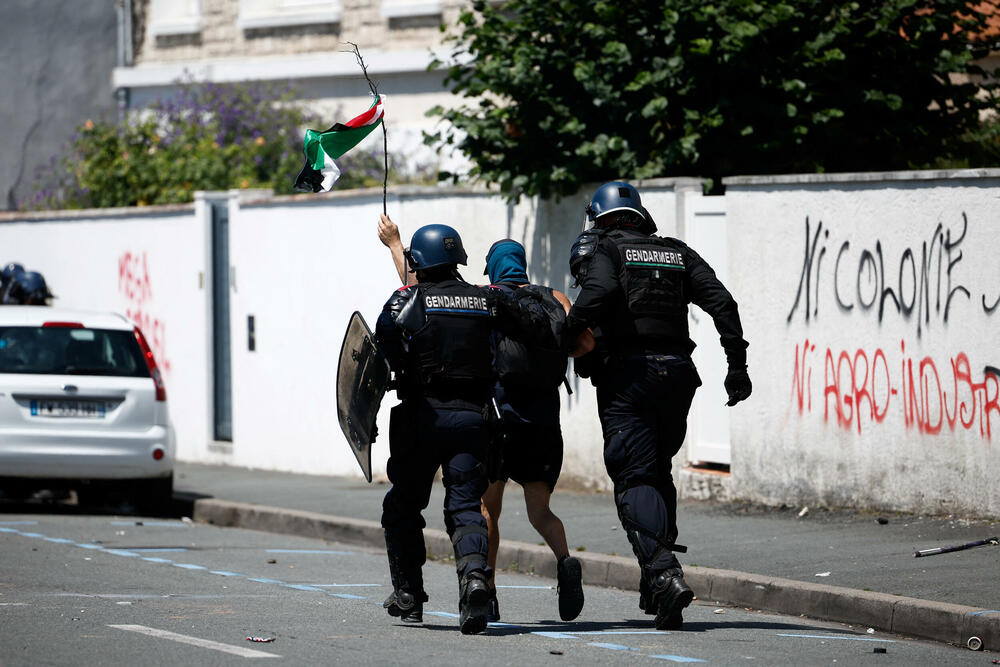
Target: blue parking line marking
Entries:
(346, 585)
(156, 524)
(58, 540)
(621, 632)
(190, 566)
(857, 639)
(85, 545)
(18, 523)
(157, 550)
(984, 612)
(310, 551)
(30, 534)
(226, 573)
(676, 658)
(302, 587)
(613, 647)
(555, 635)
(122, 552)
(9, 530)
(153, 559)
(347, 596)
(446, 614)
(262, 580)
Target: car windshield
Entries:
(69, 351)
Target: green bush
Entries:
(206, 137)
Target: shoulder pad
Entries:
(584, 248)
(400, 298)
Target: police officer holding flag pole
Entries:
(436, 338)
(635, 288)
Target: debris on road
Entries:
(805, 510)
(555, 652)
(719, 611)
(823, 574)
(974, 644)
(958, 547)
(271, 561)
(264, 640)
(882, 520)
(879, 649)
(871, 631)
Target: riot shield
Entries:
(362, 380)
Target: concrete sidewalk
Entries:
(834, 565)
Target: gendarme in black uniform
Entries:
(635, 290)
(436, 336)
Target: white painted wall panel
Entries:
(882, 398)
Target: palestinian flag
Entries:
(322, 148)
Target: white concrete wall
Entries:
(148, 264)
(872, 317)
(303, 264)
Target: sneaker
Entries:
(474, 605)
(570, 588)
(493, 615)
(406, 606)
(670, 594)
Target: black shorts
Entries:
(532, 453)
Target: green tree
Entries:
(562, 92)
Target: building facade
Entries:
(306, 43)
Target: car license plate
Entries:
(86, 409)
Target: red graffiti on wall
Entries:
(861, 386)
(134, 284)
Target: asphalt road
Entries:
(80, 589)
(835, 547)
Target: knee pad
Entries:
(644, 517)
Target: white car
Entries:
(82, 405)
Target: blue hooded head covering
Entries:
(506, 263)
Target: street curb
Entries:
(911, 617)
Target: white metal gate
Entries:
(708, 424)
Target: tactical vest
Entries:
(653, 277)
(535, 366)
(454, 344)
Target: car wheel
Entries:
(155, 496)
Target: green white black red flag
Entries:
(322, 148)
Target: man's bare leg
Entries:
(548, 525)
(568, 569)
(492, 505)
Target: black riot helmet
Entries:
(619, 205)
(435, 245)
(30, 289)
(9, 271)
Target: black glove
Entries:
(738, 385)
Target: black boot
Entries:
(474, 603)
(407, 606)
(670, 594)
(494, 613)
(570, 588)
(645, 601)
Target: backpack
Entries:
(542, 366)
